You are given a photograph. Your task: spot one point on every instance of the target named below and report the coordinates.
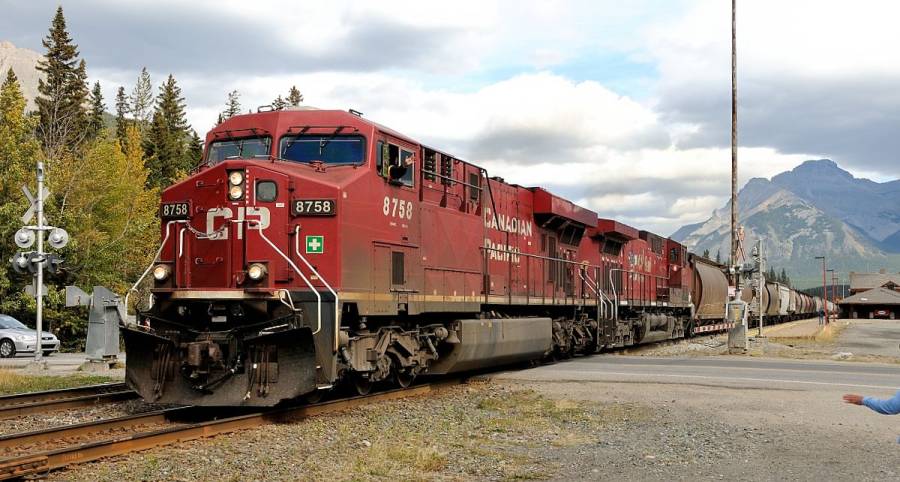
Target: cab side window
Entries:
(389, 155)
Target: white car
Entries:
(15, 337)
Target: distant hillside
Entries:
(813, 209)
(23, 63)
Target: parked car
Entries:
(15, 337)
(881, 314)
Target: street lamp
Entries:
(824, 288)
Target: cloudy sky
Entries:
(622, 106)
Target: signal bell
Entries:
(24, 238)
(58, 238)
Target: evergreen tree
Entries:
(62, 92)
(706, 253)
(294, 96)
(784, 277)
(233, 105)
(195, 148)
(166, 141)
(122, 109)
(142, 101)
(719, 256)
(771, 276)
(279, 103)
(95, 120)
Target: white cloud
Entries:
(491, 89)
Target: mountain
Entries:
(813, 209)
(875, 207)
(23, 63)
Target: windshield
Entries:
(246, 148)
(10, 323)
(348, 149)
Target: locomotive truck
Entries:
(316, 248)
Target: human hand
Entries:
(854, 399)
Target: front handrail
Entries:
(337, 323)
(294, 266)
(162, 245)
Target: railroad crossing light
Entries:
(58, 238)
(53, 263)
(21, 263)
(24, 238)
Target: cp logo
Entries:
(260, 214)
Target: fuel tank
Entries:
(495, 342)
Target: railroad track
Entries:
(35, 402)
(41, 451)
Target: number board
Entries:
(313, 207)
(175, 210)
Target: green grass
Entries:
(12, 382)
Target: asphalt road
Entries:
(871, 337)
(719, 371)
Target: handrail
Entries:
(337, 323)
(601, 307)
(294, 266)
(615, 293)
(162, 245)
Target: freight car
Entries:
(316, 248)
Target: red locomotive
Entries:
(314, 248)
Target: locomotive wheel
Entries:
(362, 385)
(404, 378)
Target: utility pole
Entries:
(734, 164)
(824, 287)
(735, 308)
(761, 278)
(833, 294)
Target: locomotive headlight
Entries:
(161, 272)
(256, 271)
(236, 192)
(236, 178)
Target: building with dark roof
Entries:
(874, 295)
(860, 282)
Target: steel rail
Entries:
(43, 462)
(34, 402)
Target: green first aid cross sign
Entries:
(315, 244)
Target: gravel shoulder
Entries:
(846, 340)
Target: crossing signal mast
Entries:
(34, 262)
